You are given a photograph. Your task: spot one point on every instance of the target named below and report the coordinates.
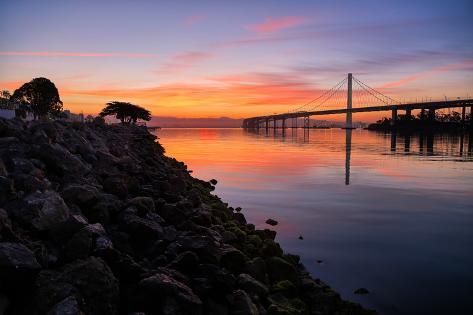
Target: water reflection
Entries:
(392, 214)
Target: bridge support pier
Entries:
(431, 114)
(393, 116)
(408, 114)
(267, 124)
(463, 114)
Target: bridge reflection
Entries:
(424, 146)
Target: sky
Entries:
(237, 59)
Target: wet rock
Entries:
(251, 285)
(279, 269)
(213, 182)
(361, 291)
(272, 222)
(270, 248)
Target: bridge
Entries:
(359, 98)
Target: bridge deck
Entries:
(411, 106)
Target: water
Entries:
(390, 214)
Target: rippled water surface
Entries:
(390, 214)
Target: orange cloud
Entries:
(422, 75)
(74, 54)
(276, 24)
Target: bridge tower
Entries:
(349, 124)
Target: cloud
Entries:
(468, 64)
(75, 54)
(193, 19)
(271, 25)
(183, 61)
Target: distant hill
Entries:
(175, 122)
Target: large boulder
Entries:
(90, 281)
(251, 285)
(42, 210)
(279, 269)
(242, 304)
(81, 195)
(16, 257)
(166, 295)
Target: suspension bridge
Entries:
(356, 97)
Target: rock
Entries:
(46, 210)
(238, 209)
(240, 218)
(242, 304)
(16, 257)
(6, 189)
(300, 237)
(91, 279)
(257, 269)
(229, 237)
(68, 306)
(82, 195)
(143, 204)
(272, 222)
(270, 248)
(213, 182)
(361, 291)
(233, 259)
(6, 232)
(115, 185)
(164, 293)
(279, 269)
(251, 286)
(59, 160)
(141, 229)
(67, 228)
(266, 234)
(185, 262)
(286, 288)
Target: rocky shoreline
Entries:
(95, 219)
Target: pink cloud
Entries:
(183, 61)
(276, 24)
(193, 19)
(74, 54)
(422, 75)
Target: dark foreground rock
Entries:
(95, 219)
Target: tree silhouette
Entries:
(126, 112)
(40, 96)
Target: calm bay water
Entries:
(390, 214)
